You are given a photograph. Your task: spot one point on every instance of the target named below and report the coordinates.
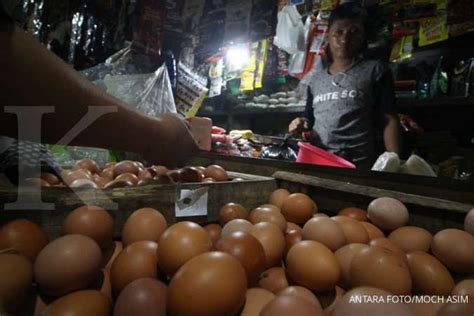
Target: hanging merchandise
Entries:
(290, 35)
(191, 91)
(402, 49)
(433, 30)
(211, 29)
(150, 32)
(252, 74)
(263, 20)
(237, 22)
(460, 17)
(173, 24)
(215, 74)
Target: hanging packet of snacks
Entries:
(190, 91)
(252, 74)
(150, 32)
(433, 30)
(402, 49)
(215, 75)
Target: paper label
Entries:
(192, 202)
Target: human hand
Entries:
(298, 125)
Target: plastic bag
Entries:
(416, 165)
(280, 152)
(387, 162)
(290, 31)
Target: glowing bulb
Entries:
(237, 57)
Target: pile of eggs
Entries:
(281, 258)
(86, 173)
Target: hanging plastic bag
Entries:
(387, 162)
(290, 31)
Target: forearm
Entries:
(392, 134)
(33, 76)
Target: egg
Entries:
(429, 275)
(189, 175)
(248, 251)
(138, 260)
(469, 222)
(298, 208)
(292, 226)
(52, 179)
(143, 224)
(457, 309)
(69, 176)
(270, 215)
(164, 179)
(278, 196)
(215, 275)
(355, 213)
(118, 184)
(16, 275)
(411, 238)
(174, 175)
(216, 172)
(373, 231)
(109, 164)
(344, 256)
(273, 280)
(67, 264)
(388, 213)
(23, 235)
(291, 238)
(87, 164)
(86, 302)
(159, 170)
(83, 184)
(208, 180)
(179, 243)
(425, 309)
(144, 174)
(321, 215)
(329, 299)
(142, 297)
(272, 240)
(236, 225)
(464, 288)
(256, 299)
(313, 265)
(214, 231)
(107, 173)
(325, 231)
(101, 181)
(380, 268)
(388, 244)
(304, 293)
(125, 166)
(92, 221)
(454, 248)
(127, 176)
(353, 230)
(290, 305)
(378, 305)
(232, 211)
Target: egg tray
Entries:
(250, 191)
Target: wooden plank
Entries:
(373, 192)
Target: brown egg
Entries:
(86, 302)
(127, 176)
(236, 225)
(266, 214)
(353, 230)
(92, 221)
(125, 166)
(381, 268)
(111, 253)
(232, 211)
(179, 243)
(70, 176)
(109, 164)
(411, 238)
(329, 299)
(454, 248)
(67, 264)
(325, 231)
(298, 208)
(292, 237)
(388, 213)
(52, 179)
(24, 236)
(304, 293)
(215, 275)
(164, 179)
(107, 173)
(256, 299)
(284, 305)
(214, 231)
(278, 196)
(292, 226)
(160, 170)
(321, 215)
(272, 240)
(101, 181)
(248, 251)
(373, 231)
(457, 309)
(144, 182)
(143, 224)
(273, 280)
(344, 256)
(87, 164)
(208, 180)
(142, 297)
(388, 244)
(134, 262)
(469, 222)
(83, 184)
(429, 275)
(464, 288)
(425, 309)
(118, 184)
(270, 206)
(174, 175)
(379, 305)
(144, 174)
(16, 275)
(216, 172)
(313, 265)
(355, 213)
(190, 175)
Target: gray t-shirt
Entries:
(346, 107)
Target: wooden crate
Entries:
(433, 214)
(251, 192)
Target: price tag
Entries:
(192, 203)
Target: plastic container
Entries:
(314, 155)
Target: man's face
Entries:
(345, 38)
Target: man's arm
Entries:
(391, 133)
(33, 76)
